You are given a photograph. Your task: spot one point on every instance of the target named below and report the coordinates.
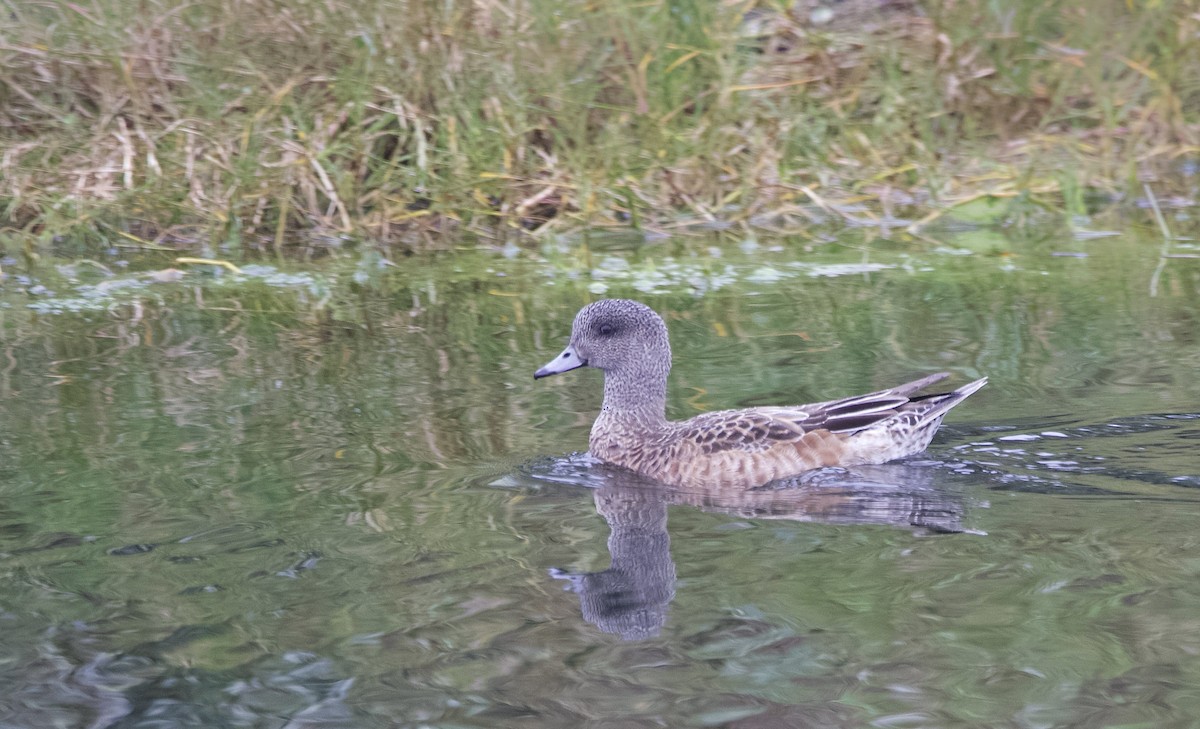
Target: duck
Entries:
(745, 448)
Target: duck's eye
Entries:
(605, 330)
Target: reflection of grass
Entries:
(227, 123)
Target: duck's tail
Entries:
(911, 425)
(928, 407)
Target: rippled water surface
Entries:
(237, 518)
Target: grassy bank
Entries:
(266, 125)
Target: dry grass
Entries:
(246, 123)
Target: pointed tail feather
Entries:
(938, 404)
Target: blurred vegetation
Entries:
(233, 124)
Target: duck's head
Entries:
(614, 335)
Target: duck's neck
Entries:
(635, 398)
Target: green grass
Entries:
(212, 124)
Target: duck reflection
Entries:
(630, 598)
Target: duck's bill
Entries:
(568, 360)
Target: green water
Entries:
(232, 512)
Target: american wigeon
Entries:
(731, 448)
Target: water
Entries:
(245, 517)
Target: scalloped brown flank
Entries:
(732, 448)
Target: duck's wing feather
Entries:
(758, 429)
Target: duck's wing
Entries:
(744, 430)
(901, 393)
(759, 429)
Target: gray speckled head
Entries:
(629, 342)
(619, 334)
(615, 335)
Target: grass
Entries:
(212, 125)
